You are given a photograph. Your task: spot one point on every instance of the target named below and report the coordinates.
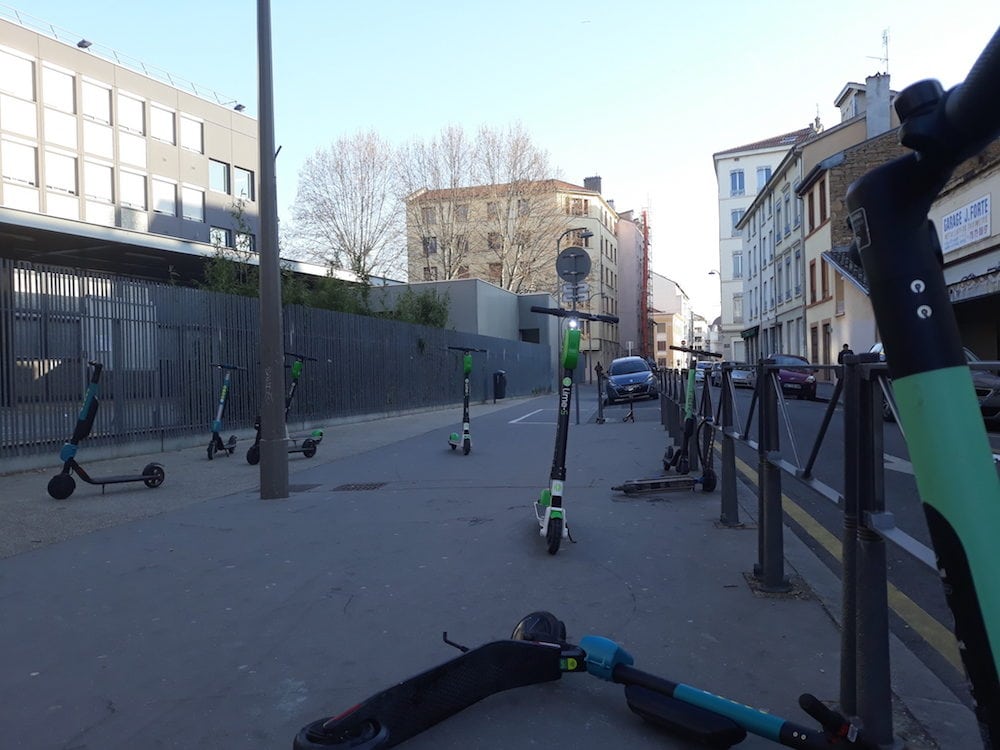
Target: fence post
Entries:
(873, 679)
(771, 571)
(849, 575)
(730, 515)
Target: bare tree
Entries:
(347, 211)
(440, 226)
(523, 216)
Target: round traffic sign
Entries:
(573, 264)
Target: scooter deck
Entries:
(638, 486)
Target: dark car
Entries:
(630, 377)
(796, 375)
(986, 383)
(742, 374)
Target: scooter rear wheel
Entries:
(466, 446)
(553, 534)
(211, 450)
(61, 486)
(154, 474)
(253, 455)
(308, 447)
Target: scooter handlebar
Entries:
(972, 107)
(227, 367)
(561, 313)
(303, 357)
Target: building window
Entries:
(132, 149)
(220, 237)
(738, 265)
(763, 175)
(430, 245)
(97, 181)
(822, 200)
(661, 346)
(58, 90)
(578, 206)
(430, 273)
(812, 211)
(428, 214)
(462, 212)
(243, 186)
(661, 327)
(492, 210)
(60, 172)
(218, 176)
(192, 136)
(96, 102)
(494, 273)
(17, 76)
(735, 215)
(777, 222)
(19, 162)
(788, 277)
(736, 183)
(98, 139)
(164, 196)
(18, 116)
(494, 242)
(246, 242)
(133, 189)
(161, 124)
(523, 207)
(798, 272)
(192, 203)
(737, 308)
(131, 114)
(812, 281)
(60, 128)
(824, 277)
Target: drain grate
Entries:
(358, 486)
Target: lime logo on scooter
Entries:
(564, 395)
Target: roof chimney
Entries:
(592, 183)
(877, 104)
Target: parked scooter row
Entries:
(62, 485)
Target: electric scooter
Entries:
(308, 445)
(215, 444)
(465, 440)
(62, 484)
(549, 510)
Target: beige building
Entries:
(97, 156)
(510, 235)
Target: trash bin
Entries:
(499, 384)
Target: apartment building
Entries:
(635, 294)
(106, 167)
(741, 174)
(674, 321)
(789, 290)
(510, 235)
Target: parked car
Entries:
(630, 377)
(702, 368)
(986, 383)
(796, 375)
(742, 374)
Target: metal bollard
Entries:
(599, 371)
(771, 572)
(849, 575)
(730, 515)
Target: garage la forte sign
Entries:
(968, 224)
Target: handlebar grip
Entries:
(972, 108)
(607, 318)
(558, 311)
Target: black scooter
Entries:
(549, 511)
(465, 439)
(62, 484)
(215, 444)
(309, 445)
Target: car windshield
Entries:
(742, 367)
(627, 366)
(788, 359)
(704, 365)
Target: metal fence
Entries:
(158, 342)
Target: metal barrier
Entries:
(861, 386)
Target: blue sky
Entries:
(640, 92)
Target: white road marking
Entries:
(520, 420)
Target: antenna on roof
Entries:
(884, 59)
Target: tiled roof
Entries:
(785, 139)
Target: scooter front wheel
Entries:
(211, 450)
(61, 486)
(253, 455)
(308, 447)
(553, 535)
(466, 446)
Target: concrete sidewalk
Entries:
(197, 615)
